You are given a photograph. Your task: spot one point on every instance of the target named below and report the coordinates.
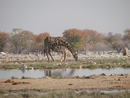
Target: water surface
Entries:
(66, 72)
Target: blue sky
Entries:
(56, 16)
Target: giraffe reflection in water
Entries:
(59, 72)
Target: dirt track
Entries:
(104, 82)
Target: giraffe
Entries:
(55, 44)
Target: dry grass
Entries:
(64, 94)
(86, 63)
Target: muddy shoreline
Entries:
(95, 82)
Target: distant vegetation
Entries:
(22, 41)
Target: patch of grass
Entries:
(9, 66)
(90, 66)
(87, 63)
(23, 77)
(47, 66)
(65, 94)
(126, 65)
(107, 66)
(14, 77)
(1, 91)
(57, 77)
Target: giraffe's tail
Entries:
(44, 52)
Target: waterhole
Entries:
(65, 72)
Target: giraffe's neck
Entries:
(68, 46)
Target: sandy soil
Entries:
(103, 82)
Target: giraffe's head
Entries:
(75, 55)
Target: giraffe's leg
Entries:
(50, 55)
(46, 52)
(63, 54)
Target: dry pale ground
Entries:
(102, 82)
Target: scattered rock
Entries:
(32, 68)
(15, 83)
(3, 53)
(23, 77)
(70, 84)
(77, 76)
(84, 76)
(119, 79)
(88, 77)
(114, 74)
(48, 77)
(16, 63)
(94, 63)
(9, 81)
(122, 75)
(104, 74)
(80, 67)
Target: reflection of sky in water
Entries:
(7, 74)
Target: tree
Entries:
(22, 41)
(75, 37)
(114, 41)
(92, 38)
(126, 38)
(16, 30)
(82, 39)
(127, 34)
(3, 39)
(39, 40)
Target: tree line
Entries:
(23, 41)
